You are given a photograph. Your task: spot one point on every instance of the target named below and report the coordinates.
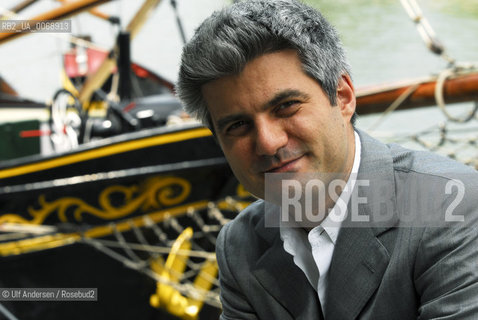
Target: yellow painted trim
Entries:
(62, 239)
(156, 194)
(106, 151)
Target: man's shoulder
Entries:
(428, 163)
(243, 226)
(407, 160)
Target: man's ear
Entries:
(346, 97)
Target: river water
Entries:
(382, 44)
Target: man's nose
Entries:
(270, 137)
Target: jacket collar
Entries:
(281, 278)
(361, 254)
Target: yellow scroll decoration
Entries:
(157, 192)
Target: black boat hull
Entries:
(159, 173)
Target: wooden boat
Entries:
(133, 211)
(459, 87)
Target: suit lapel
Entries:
(356, 271)
(281, 278)
(361, 256)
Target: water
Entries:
(382, 44)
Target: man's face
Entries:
(272, 117)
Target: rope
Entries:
(444, 138)
(178, 21)
(395, 104)
(440, 100)
(210, 297)
(124, 245)
(7, 313)
(157, 249)
(459, 143)
(441, 142)
(425, 30)
(157, 239)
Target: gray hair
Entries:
(226, 41)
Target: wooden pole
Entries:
(22, 5)
(457, 89)
(97, 79)
(62, 12)
(94, 11)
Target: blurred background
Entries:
(382, 44)
(381, 41)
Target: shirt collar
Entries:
(336, 216)
(340, 208)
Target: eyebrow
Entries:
(283, 95)
(276, 99)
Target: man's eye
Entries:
(287, 104)
(288, 107)
(237, 128)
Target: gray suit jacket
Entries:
(377, 272)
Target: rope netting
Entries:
(455, 140)
(178, 253)
(175, 247)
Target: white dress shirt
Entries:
(312, 252)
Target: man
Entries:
(270, 79)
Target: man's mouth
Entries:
(284, 166)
